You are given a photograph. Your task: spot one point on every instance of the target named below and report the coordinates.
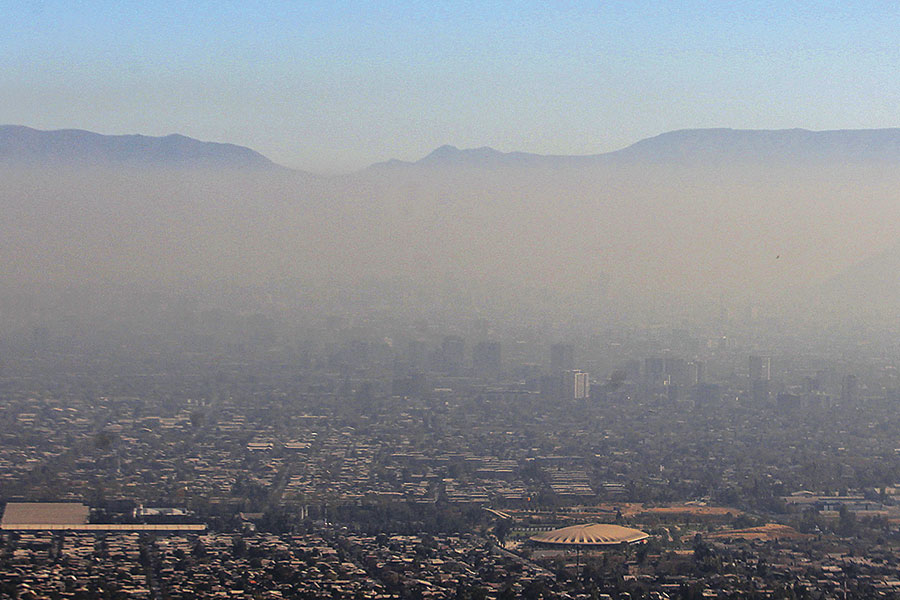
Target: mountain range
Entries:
(687, 146)
(673, 224)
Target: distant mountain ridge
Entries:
(682, 147)
(711, 146)
(20, 144)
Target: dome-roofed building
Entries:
(591, 535)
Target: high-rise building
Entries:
(562, 357)
(568, 385)
(486, 359)
(759, 391)
(576, 385)
(848, 389)
(760, 371)
(551, 387)
(654, 370)
(697, 373)
(417, 355)
(760, 368)
(677, 371)
(452, 354)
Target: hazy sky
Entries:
(333, 86)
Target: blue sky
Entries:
(334, 86)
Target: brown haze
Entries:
(606, 239)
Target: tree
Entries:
(502, 529)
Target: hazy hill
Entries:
(867, 289)
(742, 145)
(20, 144)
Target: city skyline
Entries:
(449, 300)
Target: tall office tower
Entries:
(677, 371)
(760, 368)
(357, 352)
(576, 385)
(672, 392)
(562, 357)
(697, 372)
(551, 387)
(417, 355)
(759, 391)
(848, 389)
(481, 327)
(760, 375)
(486, 359)
(654, 370)
(632, 370)
(452, 354)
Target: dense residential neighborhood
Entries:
(348, 467)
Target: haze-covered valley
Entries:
(690, 225)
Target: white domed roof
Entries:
(591, 534)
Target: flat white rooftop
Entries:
(49, 513)
(71, 516)
(105, 527)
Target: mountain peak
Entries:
(445, 150)
(451, 156)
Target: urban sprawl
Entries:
(357, 459)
